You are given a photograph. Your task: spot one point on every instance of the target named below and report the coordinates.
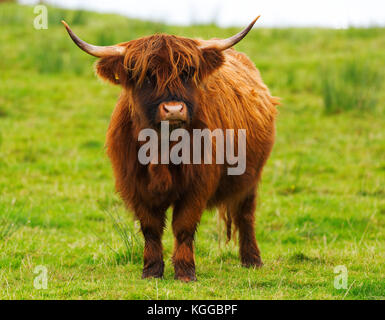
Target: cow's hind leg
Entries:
(243, 215)
(152, 223)
(185, 221)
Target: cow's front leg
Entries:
(152, 222)
(186, 217)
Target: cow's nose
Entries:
(173, 112)
(173, 109)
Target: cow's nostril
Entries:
(165, 109)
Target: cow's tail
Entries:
(225, 216)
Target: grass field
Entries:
(322, 198)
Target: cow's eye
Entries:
(150, 79)
(184, 75)
(187, 74)
(147, 80)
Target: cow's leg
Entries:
(152, 223)
(243, 217)
(185, 221)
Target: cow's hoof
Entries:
(186, 278)
(184, 271)
(252, 262)
(154, 270)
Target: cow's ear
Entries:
(111, 69)
(212, 60)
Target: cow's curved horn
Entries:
(96, 51)
(223, 44)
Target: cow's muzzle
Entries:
(175, 112)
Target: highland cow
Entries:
(192, 84)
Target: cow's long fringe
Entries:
(177, 54)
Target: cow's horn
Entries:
(223, 44)
(96, 51)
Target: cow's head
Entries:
(162, 72)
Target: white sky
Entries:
(274, 13)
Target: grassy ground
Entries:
(322, 199)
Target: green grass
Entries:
(354, 86)
(322, 199)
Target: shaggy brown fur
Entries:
(224, 90)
